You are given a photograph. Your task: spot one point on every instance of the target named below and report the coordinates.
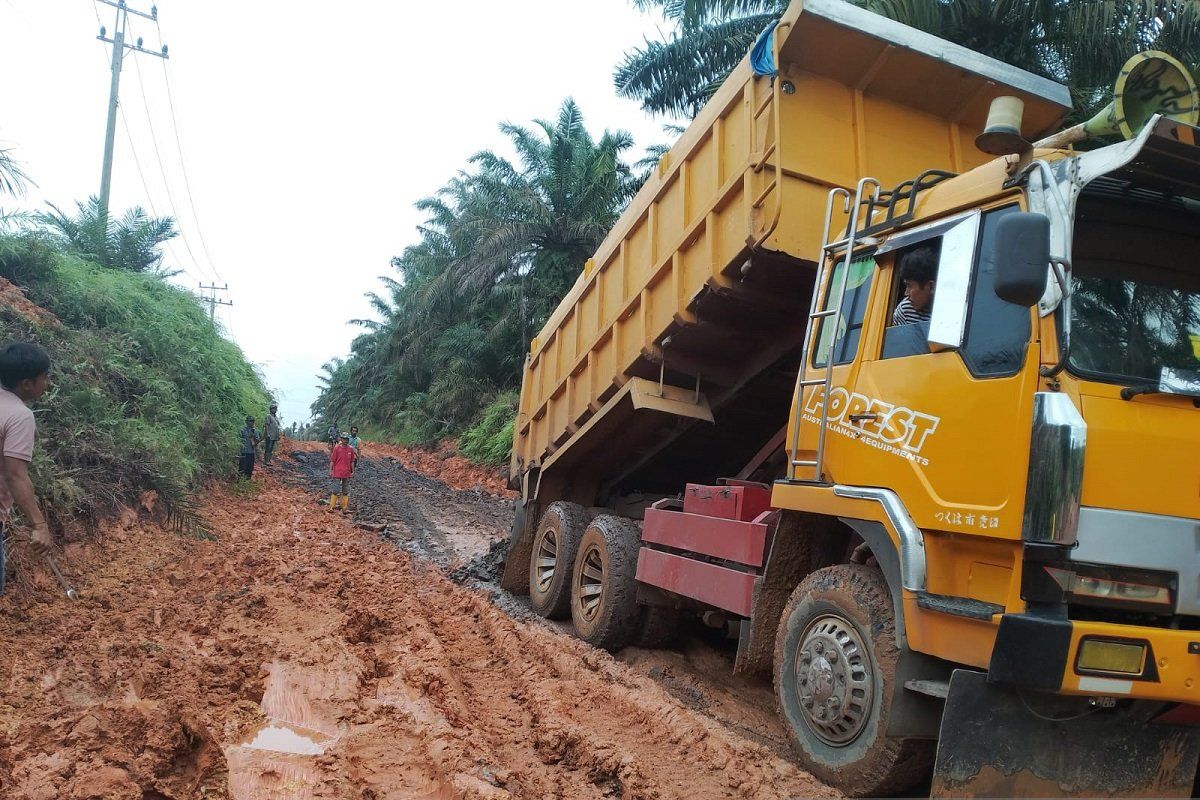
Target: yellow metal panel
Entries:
(958, 639)
(753, 167)
(1158, 424)
(819, 109)
(969, 566)
(669, 221)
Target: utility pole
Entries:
(212, 300)
(120, 27)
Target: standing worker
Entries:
(249, 443)
(354, 439)
(341, 468)
(333, 433)
(24, 376)
(271, 432)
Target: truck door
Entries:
(939, 410)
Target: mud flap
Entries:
(515, 577)
(998, 741)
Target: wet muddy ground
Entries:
(301, 656)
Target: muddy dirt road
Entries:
(300, 656)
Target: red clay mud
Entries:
(301, 657)
(12, 297)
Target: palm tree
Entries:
(544, 216)
(501, 243)
(130, 243)
(12, 178)
(678, 75)
(1078, 42)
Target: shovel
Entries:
(71, 593)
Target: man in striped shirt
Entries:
(918, 274)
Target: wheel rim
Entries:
(547, 559)
(591, 583)
(834, 680)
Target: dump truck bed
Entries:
(700, 290)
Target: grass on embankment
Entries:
(146, 394)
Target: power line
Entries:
(162, 169)
(149, 199)
(187, 184)
(133, 151)
(137, 162)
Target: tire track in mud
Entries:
(422, 515)
(301, 657)
(698, 672)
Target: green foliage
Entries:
(1081, 43)
(489, 440)
(145, 395)
(13, 179)
(133, 242)
(502, 243)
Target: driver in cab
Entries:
(918, 274)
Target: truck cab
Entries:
(1024, 450)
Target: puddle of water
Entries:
(278, 759)
(280, 738)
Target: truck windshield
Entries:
(1135, 305)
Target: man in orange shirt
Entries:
(24, 377)
(341, 468)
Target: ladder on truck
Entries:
(868, 200)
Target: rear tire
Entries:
(604, 605)
(660, 627)
(835, 662)
(552, 558)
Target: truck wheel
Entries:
(835, 662)
(660, 627)
(552, 556)
(604, 605)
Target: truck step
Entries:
(932, 688)
(958, 606)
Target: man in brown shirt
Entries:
(24, 377)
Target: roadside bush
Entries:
(489, 440)
(146, 394)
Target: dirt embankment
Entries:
(302, 657)
(12, 297)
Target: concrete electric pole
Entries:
(212, 300)
(120, 27)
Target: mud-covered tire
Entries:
(659, 628)
(835, 662)
(557, 540)
(604, 605)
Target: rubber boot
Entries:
(333, 501)
(345, 503)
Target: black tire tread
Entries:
(571, 520)
(893, 764)
(620, 616)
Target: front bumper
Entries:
(1043, 653)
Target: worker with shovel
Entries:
(341, 468)
(24, 377)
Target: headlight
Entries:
(1096, 584)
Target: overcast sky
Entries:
(308, 130)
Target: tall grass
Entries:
(146, 395)
(489, 440)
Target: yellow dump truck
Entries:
(915, 422)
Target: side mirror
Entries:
(1020, 257)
